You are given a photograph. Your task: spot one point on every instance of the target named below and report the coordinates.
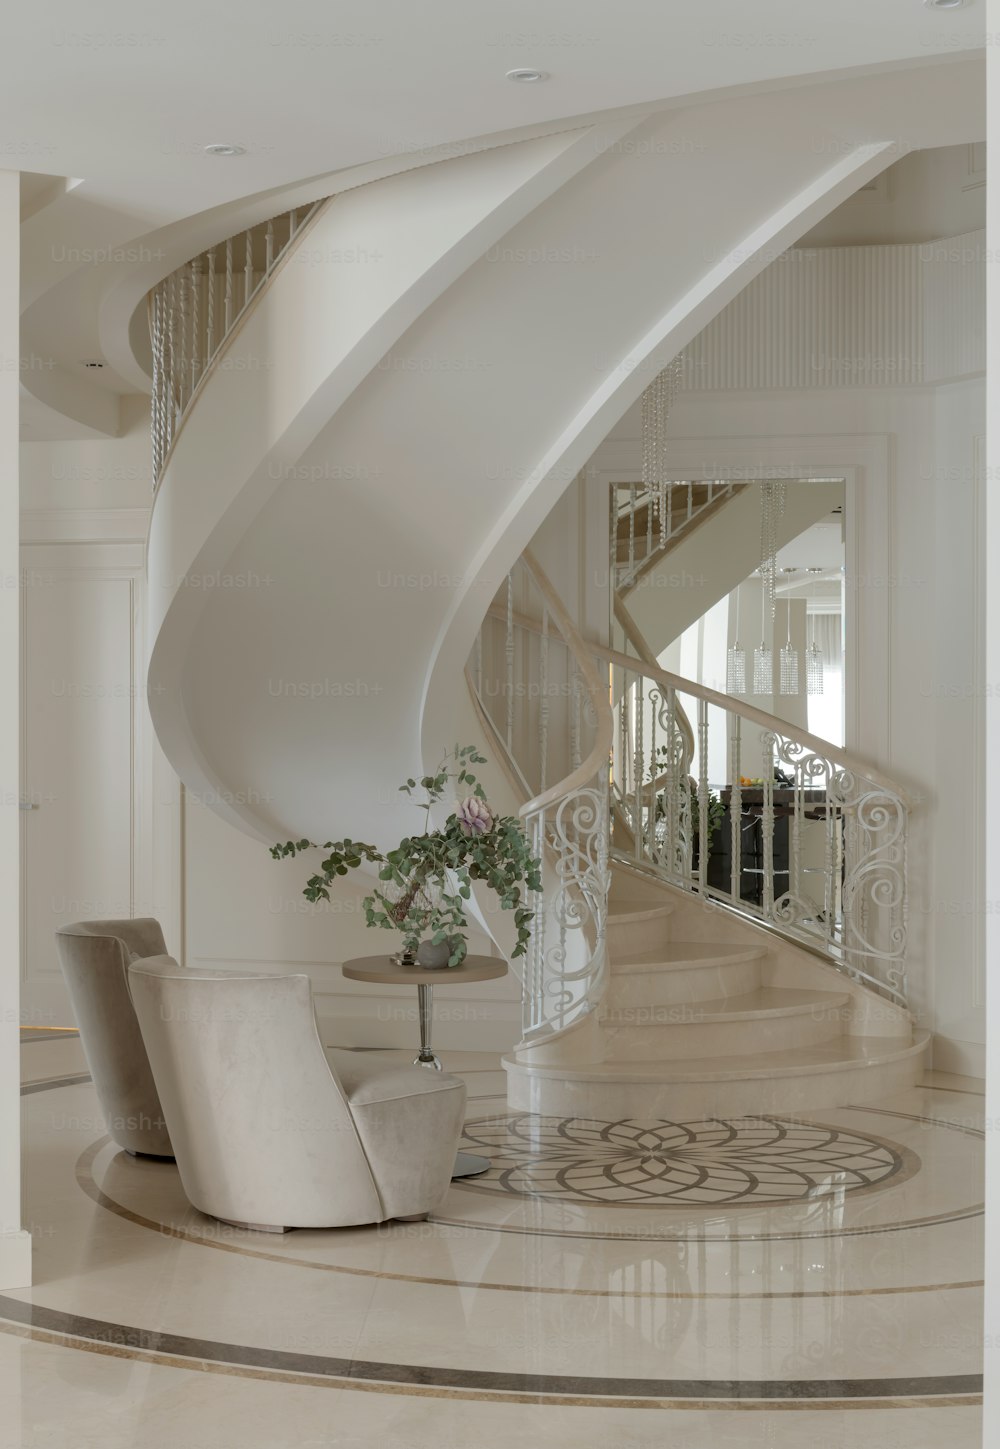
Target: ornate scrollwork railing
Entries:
(778, 824)
(194, 310)
(546, 703)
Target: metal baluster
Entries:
(172, 356)
(228, 296)
(670, 511)
(210, 308)
(795, 843)
(154, 398)
(704, 842)
(676, 783)
(247, 267)
(195, 289)
(736, 809)
(479, 663)
(653, 792)
(269, 247)
(510, 661)
(767, 820)
(631, 530)
(161, 410)
(832, 823)
(640, 705)
(183, 288)
(690, 489)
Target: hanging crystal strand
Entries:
(736, 659)
(632, 497)
(657, 402)
(767, 821)
(814, 664)
(543, 699)
(789, 661)
(763, 657)
(509, 659)
(772, 507)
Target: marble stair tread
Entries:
(638, 910)
(843, 1053)
(687, 955)
(766, 1001)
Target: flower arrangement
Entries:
(426, 881)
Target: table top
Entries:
(385, 972)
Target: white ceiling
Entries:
(121, 99)
(125, 96)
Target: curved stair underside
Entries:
(344, 499)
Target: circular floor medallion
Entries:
(743, 1160)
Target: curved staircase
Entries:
(341, 512)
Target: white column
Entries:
(991, 784)
(15, 1243)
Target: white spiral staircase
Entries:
(340, 579)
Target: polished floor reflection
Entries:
(759, 1281)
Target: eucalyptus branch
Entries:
(434, 871)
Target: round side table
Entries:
(383, 971)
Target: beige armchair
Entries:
(270, 1130)
(95, 957)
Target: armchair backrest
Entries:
(250, 1098)
(95, 957)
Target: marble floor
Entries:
(751, 1282)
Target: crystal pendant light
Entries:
(657, 401)
(763, 657)
(814, 665)
(788, 664)
(736, 660)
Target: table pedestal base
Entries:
(469, 1164)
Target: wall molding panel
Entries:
(863, 316)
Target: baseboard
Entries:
(963, 1058)
(458, 1025)
(15, 1260)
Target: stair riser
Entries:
(680, 1033)
(651, 989)
(626, 938)
(696, 1101)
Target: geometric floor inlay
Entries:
(742, 1160)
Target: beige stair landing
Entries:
(692, 1027)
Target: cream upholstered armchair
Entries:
(270, 1130)
(95, 956)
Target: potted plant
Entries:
(425, 882)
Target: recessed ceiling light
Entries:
(527, 76)
(224, 148)
(945, 4)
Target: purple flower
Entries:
(474, 816)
